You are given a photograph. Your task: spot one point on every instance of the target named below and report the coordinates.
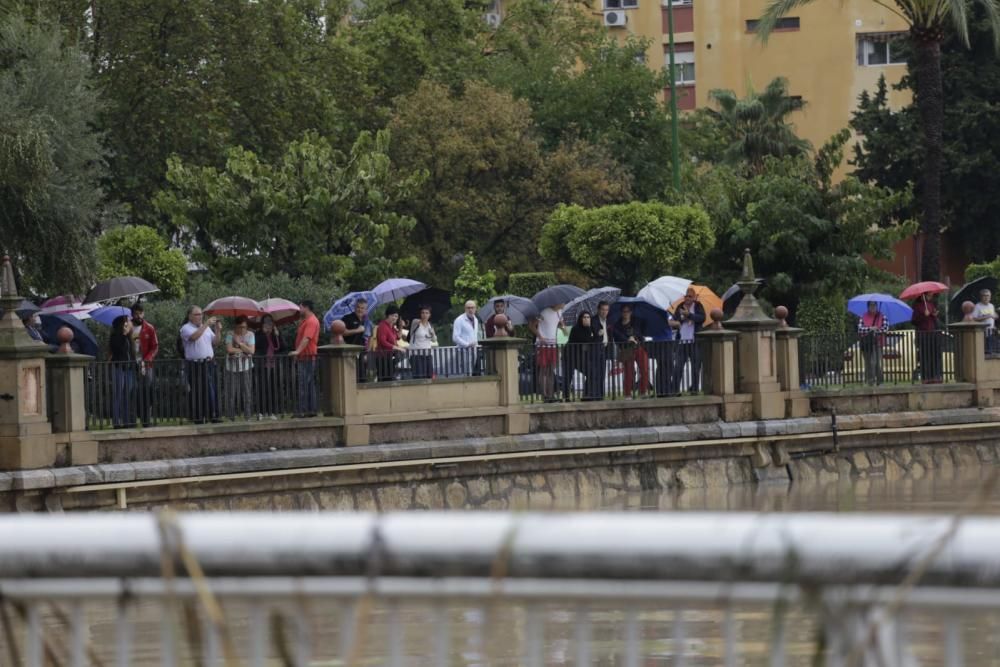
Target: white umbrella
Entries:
(664, 291)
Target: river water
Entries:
(497, 634)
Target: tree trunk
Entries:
(930, 106)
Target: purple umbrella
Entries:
(392, 289)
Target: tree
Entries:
(314, 212)
(627, 244)
(490, 184)
(51, 160)
(140, 251)
(929, 21)
(473, 284)
(583, 84)
(887, 155)
(756, 126)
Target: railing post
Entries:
(970, 359)
(502, 352)
(68, 407)
(339, 378)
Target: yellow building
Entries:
(830, 51)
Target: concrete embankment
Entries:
(569, 469)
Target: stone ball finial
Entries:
(337, 329)
(967, 308)
(716, 314)
(781, 313)
(64, 337)
(500, 325)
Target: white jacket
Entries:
(465, 333)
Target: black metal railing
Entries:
(594, 371)
(896, 357)
(426, 364)
(176, 391)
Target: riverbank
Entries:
(532, 470)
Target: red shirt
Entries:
(386, 335)
(308, 328)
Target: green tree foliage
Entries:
(472, 283)
(584, 84)
(756, 126)
(627, 244)
(929, 21)
(490, 184)
(140, 251)
(983, 270)
(808, 235)
(51, 160)
(888, 155)
(528, 284)
(314, 211)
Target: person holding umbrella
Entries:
(147, 346)
(924, 319)
(499, 308)
(200, 337)
(872, 327)
(630, 334)
(582, 355)
(690, 315)
(267, 344)
(123, 373)
(546, 329)
(240, 346)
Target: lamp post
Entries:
(675, 155)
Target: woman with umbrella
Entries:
(630, 334)
(123, 373)
(872, 327)
(581, 355)
(925, 321)
(267, 345)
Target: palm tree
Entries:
(757, 126)
(928, 20)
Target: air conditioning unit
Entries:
(615, 18)
(493, 20)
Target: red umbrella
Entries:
(282, 311)
(926, 287)
(234, 306)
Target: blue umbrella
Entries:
(83, 340)
(655, 320)
(397, 288)
(106, 315)
(895, 311)
(345, 305)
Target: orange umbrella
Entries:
(708, 299)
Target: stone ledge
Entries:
(820, 392)
(677, 435)
(643, 403)
(389, 384)
(224, 428)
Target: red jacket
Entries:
(386, 335)
(149, 345)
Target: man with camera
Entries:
(200, 337)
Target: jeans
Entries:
(123, 395)
(266, 385)
(203, 396)
(306, 367)
(872, 350)
(929, 354)
(144, 398)
(239, 393)
(687, 352)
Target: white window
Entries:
(621, 4)
(884, 48)
(683, 67)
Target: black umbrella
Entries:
(970, 292)
(519, 309)
(733, 296)
(439, 301)
(555, 295)
(119, 288)
(83, 340)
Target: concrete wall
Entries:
(893, 399)
(400, 398)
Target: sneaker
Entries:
(273, 417)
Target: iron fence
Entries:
(424, 364)
(174, 391)
(892, 358)
(485, 588)
(595, 371)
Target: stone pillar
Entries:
(720, 368)
(502, 354)
(971, 364)
(25, 433)
(787, 348)
(67, 403)
(758, 368)
(338, 367)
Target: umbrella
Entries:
(397, 288)
(519, 309)
(119, 288)
(708, 299)
(733, 296)
(664, 291)
(439, 301)
(345, 305)
(80, 311)
(282, 311)
(26, 308)
(234, 306)
(655, 319)
(970, 292)
(588, 302)
(555, 295)
(894, 310)
(106, 315)
(62, 300)
(926, 287)
(83, 339)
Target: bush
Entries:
(140, 251)
(473, 284)
(986, 269)
(823, 314)
(527, 284)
